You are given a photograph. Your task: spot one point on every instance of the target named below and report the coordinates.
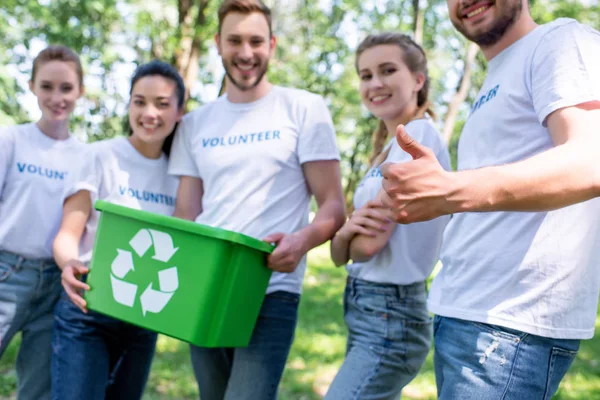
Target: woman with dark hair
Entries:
(34, 166)
(95, 356)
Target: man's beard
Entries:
(240, 85)
(499, 27)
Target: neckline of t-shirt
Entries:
(494, 62)
(49, 140)
(252, 105)
(131, 150)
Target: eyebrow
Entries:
(157, 98)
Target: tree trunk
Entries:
(461, 93)
(191, 41)
(418, 21)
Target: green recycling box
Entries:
(193, 282)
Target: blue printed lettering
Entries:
(41, 171)
(491, 94)
(149, 197)
(233, 140)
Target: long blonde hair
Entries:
(416, 61)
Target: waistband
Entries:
(400, 291)
(21, 262)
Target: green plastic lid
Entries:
(184, 225)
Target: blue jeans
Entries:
(96, 357)
(29, 290)
(480, 361)
(253, 372)
(389, 336)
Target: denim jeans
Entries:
(29, 290)
(96, 357)
(480, 361)
(389, 336)
(253, 372)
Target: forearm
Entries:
(328, 220)
(363, 247)
(559, 177)
(65, 248)
(340, 250)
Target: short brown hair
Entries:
(244, 7)
(57, 53)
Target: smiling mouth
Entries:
(245, 67)
(473, 12)
(149, 126)
(381, 98)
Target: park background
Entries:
(316, 43)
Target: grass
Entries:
(317, 353)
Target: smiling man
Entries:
(519, 285)
(249, 162)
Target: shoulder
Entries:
(204, 110)
(425, 132)
(298, 97)
(567, 32)
(12, 131)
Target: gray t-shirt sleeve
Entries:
(317, 139)
(88, 174)
(7, 145)
(181, 159)
(565, 69)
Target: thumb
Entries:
(408, 144)
(274, 237)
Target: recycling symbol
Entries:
(152, 300)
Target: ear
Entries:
(31, 85)
(180, 113)
(272, 43)
(218, 42)
(419, 81)
(81, 91)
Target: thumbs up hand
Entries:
(417, 190)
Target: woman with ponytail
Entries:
(389, 327)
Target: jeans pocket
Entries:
(370, 304)
(499, 331)
(560, 362)
(6, 271)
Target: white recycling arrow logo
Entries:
(125, 292)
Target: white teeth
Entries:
(379, 98)
(477, 11)
(149, 126)
(245, 67)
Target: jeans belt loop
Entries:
(19, 263)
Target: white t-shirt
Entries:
(413, 250)
(534, 272)
(249, 157)
(33, 172)
(114, 171)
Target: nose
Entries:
(245, 51)
(57, 97)
(150, 111)
(375, 82)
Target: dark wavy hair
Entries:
(167, 71)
